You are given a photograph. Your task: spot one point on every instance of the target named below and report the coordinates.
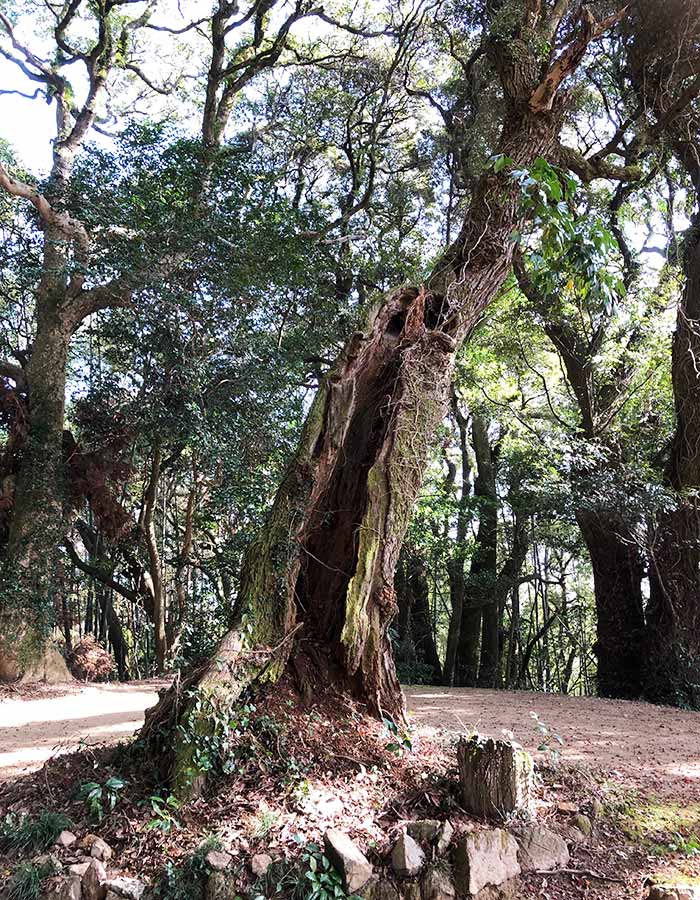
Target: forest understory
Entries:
(298, 771)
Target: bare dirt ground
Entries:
(654, 748)
(38, 722)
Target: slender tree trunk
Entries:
(154, 561)
(421, 624)
(481, 591)
(617, 574)
(456, 563)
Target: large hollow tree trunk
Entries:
(30, 564)
(618, 569)
(316, 588)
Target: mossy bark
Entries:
(28, 580)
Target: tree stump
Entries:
(496, 777)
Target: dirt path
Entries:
(653, 747)
(44, 721)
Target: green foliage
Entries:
(100, 799)
(549, 741)
(186, 880)
(323, 882)
(31, 835)
(400, 735)
(163, 813)
(312, 878)
(25, 883)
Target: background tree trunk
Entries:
(617, 573)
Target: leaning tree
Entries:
(317, 590)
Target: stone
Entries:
(565, 806)
(66, 839)
(570, 834)
(50, 668)
(424, 830)
(432, 832)
(348, 859)
(507, 890)
(125, 888)
(444, 838)
(437, 884)
(218, 860)
(541, 850)
(78, 868)
(259, 864)
(597, 808)
(497, 777)
(407, 857)
(583, 823)
(482, 858)
(71, 889)
(93, 881)
(673, 892)
(100, 849)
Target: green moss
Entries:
(663, 827)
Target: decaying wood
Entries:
(496, 777)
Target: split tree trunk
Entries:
(316, 588)
(618, 568)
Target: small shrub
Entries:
(163, 813)
(548, 740)
(400, 742)
(25, 884)
(27, 835)
(101, 798)
(89, 661)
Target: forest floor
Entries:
(642, 761)
(653, 748)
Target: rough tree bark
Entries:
(317, 582)
(673, 613)
(616, 557)
(618, 569)
(479, 591)
(456, 563)
(663, 66)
